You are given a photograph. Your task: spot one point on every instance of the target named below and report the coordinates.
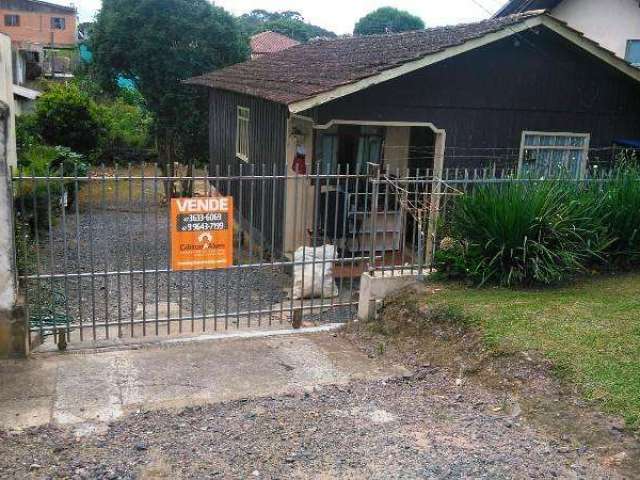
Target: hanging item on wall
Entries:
(300, 161)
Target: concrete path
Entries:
(91, 389)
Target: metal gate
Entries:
(94, 251)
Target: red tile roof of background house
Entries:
(271, 42)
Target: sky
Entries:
(341, 15)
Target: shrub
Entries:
(67, 116)
(27, 133)
(36, 199)
(622, 204)
(524, 233)
(127, 128)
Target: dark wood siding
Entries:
(484, 99)
(258, 202)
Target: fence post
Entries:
(14, 338)
(434, 210)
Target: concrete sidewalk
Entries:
(95, 388)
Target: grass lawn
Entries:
(591, 331)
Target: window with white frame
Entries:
(633, 52)
(242, 134)
(553, 153)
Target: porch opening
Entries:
(364, 218)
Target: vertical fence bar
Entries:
(251, 233)
(239, 272)
(118, 257)
(334, 241)
(132, 305)
(92, 257)
(52, 297)
(79, 260)
(261, 249)
(201, 273)
(65, 262)
(167, 192)
(227, 271)
(25, 225)
(156, 252)
(107, 279)
(273, 238)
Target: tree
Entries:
(66, 116)
(289, 23)
(388, 20)
(158, 44)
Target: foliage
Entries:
(452, 260)
(161, 43)
(622, 204)
(523, 233)
(589, 330)
(127, 131)
(27, 132)
(288, 23)
(388, 20)
(67, 116)
(39, 201)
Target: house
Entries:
(41, 35)
(24, 99)
(522, 88)
(7, 138)
(614, 24)
(266, 43)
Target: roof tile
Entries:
(306, 70)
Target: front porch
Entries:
(347, 194)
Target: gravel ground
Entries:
(110, 240)
(425, 426)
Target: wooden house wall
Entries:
(260, 203)
(485, 98)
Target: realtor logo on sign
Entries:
(201, 233)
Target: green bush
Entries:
(27, 133)
(67, 116)
(622, 204)
(127, 131)
(36, 200)
(526, 233)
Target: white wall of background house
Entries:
(611, 23)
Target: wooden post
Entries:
(434, 211)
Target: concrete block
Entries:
(14, 333)
(376, 286)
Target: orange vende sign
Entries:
(201, 233)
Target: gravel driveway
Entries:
(419, 427)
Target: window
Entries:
(12, 20)
(242, 134)
(58, 23)
(549, 154)
(633, 52)
(350, 146)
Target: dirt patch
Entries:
(416, 330)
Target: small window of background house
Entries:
(58, 23)
(12, 20)
(551, 154)
(633, 52)
(242, 134)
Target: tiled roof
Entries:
(306, 70)
(36, 6)
(271, 42)
(519, 6)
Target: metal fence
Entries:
(94, 251)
